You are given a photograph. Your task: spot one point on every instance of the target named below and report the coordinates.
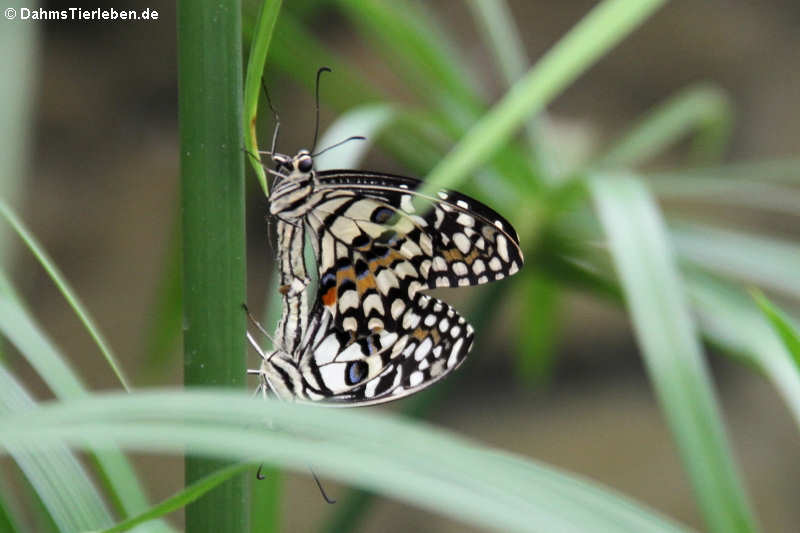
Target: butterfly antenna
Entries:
(321, 489)
(353, 138)
(316, 123)
(256, 323)
(259, 475)
(274, 115)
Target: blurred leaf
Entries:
(670, 347)
(782, 324)
(538, 325)
(498, 28)
(55, 474)
(729, 192)
(731, 320)
(180, 499)
(429, 64)
(778, 170)
(601, 29)
(62, 284)
(367, 121)
(412, 461)
(760, 260)
(259, 46)
(21, 330)
(17, 94)
(703, 108)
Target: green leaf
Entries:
(757, 259)
(21, 330)
(210, 119)
(426, 59)
(732, 321)
(601, 29)
(703, 108)
(538, 325)
(182, 498)
(496, 22)
(54, 472)
(62, 284)
(259, 47)
(736, 193)
(654, 295)
(411, 461)
(782, 324)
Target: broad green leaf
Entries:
(411, 461)
(671, 348)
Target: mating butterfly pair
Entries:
(372, 336)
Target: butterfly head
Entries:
(294, 185)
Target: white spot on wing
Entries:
(502, 247)
(462, 242)
(460, 268)
(423, 349)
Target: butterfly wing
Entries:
(430, 341)
(379, 242)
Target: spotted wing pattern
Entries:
(334, 368)
(379, 242)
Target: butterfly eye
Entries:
(355, 372)
(305, 164)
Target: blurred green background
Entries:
(556, 373)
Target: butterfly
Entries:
(372, 336)
(378, 242)
(331, 367)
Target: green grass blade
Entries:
(17, 94)
(496, 22)
(21, 330)
(180, 499)
(259, 47)
(55, 274)
(736, 193)
(732, 321)
(428, 61)
(601, 29)
(776, 170)
(703, 108)
(782, 324)
(210, 120)
(60, 482)
(671, 348)
(768, 261)
(410, 461)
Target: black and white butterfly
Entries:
(371, 334)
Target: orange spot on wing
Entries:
(329, 298)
